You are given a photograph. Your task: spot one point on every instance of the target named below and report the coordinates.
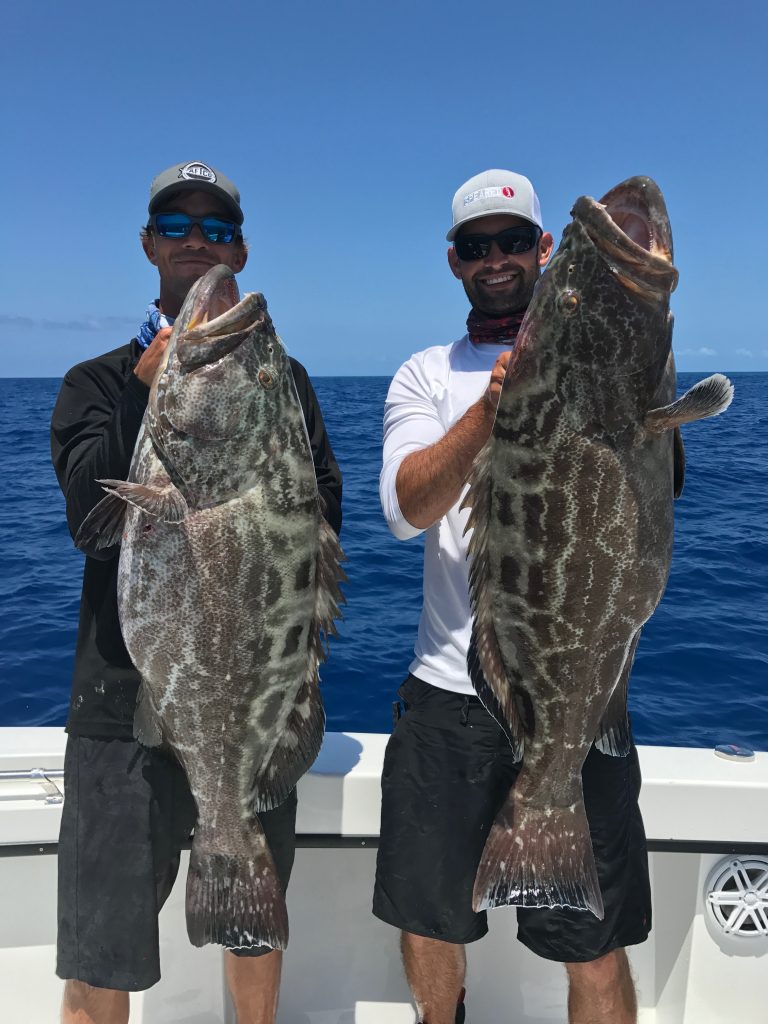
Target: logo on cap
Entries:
(197, 171)
(492, 192)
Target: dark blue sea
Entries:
(701, 673)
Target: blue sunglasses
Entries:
(179, 225)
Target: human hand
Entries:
(152, 356)
(498, 373)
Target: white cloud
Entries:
(97, 323)
(745, 352)
(703, 351)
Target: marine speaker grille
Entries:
(737, 896)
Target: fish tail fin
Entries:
(235, 900)
(537, 857)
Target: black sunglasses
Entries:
(179, 225)
(511, 242)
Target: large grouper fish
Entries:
(572, 514)
(227, 583)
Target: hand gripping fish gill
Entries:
(571, 509)
(228, 574)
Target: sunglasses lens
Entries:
(173, 225)
(517, 240)
(472, 247)
(511, 242)
(221, 232)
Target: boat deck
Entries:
(342, 965)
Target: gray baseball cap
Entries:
(492, 192)
(195, 176)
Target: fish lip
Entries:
(645, 269)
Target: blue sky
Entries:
(347, 128)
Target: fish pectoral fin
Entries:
(166, 503)
(709, 397)
(103, 526)
(613, 735)
(538, 857)
(293, 754)
(147, 727)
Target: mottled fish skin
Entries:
(572, 516)
(222, 611)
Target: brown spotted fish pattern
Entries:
(228, 577)
(571, 509)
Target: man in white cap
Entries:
(129, 810)
(448, 766)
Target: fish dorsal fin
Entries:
(297, 747)
(709, 397)
(484, 661)
(298, 744)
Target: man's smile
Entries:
(496, 279)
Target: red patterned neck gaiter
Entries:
(482, 328)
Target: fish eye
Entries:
(570, 301)
(266, 380)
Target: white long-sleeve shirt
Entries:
(428, 394)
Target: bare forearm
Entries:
(429, 481)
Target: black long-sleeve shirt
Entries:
(94, 428)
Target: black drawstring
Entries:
(464, 715)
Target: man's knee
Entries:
(86, 1004)
(603, 973)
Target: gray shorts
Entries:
(127, 814)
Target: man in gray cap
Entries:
(448, 766)
(129, 810)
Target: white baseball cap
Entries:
(495, 192)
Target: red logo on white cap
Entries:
(508, 192)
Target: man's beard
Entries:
(504, 303)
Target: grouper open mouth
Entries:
(630, 227)
(216, 319)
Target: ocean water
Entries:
(701, 672)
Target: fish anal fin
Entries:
(166, 503)
(613, 735)
(293, 754)
(709, 397)
(104, 524)
(235, 900)
(538, 857)
(147, 728)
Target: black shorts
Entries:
(447, 770)
(128, 812)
